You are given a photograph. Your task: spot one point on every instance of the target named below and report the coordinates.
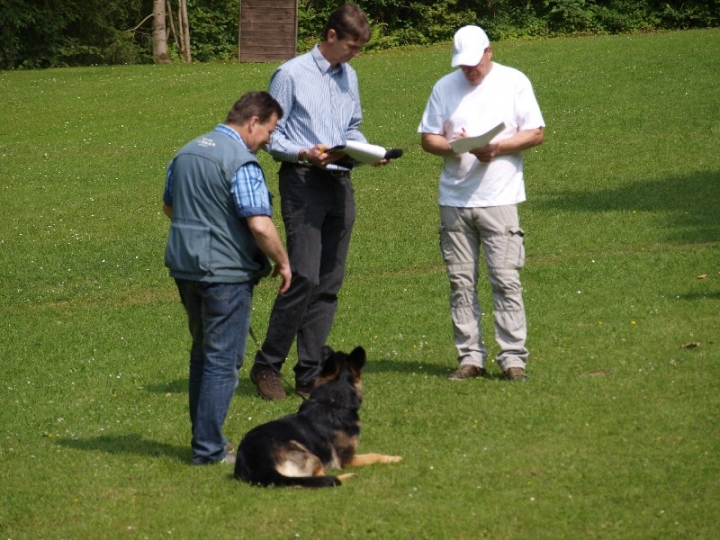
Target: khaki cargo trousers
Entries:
(463, 231)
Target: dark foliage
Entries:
(47, 33)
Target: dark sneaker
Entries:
(229, 458)
(515, 374)
(268, 382)
(303, 390)
(465, 372)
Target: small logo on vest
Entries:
(206, 142)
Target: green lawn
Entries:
(616, 435)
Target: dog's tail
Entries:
(307, 481)
(269, 476)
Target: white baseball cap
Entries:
(469, 44)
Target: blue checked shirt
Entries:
(248, 187)
(321, 106)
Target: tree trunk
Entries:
(172, 30)
(184, 29)
(159, 33)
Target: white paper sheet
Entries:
(465, 144)
(362, 152)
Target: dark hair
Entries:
(348, 21)
(260, 104)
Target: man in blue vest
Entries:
(221, 236)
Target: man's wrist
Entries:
(303, 156)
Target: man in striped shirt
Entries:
(319, 93)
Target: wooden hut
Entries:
(268, 30)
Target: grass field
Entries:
(617, 433)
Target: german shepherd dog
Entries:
(295, 450)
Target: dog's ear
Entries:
(330, 366)
(357, 358)
(326, 352)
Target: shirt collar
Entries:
(230, 132)
(322, 63)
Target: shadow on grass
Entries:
(128, 444)
(374, 365)
(180, 386)
(699, 296)
(384, 365)
(689, 204)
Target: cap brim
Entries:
(466, 59)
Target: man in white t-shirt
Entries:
(479, 194)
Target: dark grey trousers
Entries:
(318, 209)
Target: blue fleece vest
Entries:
(207, 241)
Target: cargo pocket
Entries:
(448, 247)
(189, 248)
(442, 242)
(514, 248)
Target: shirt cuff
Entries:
(256, 211)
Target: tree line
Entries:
(52, 33)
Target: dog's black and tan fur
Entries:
(295, 450)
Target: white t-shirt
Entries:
(504, 95)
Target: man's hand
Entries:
(522, 140)
(283, 270)
(317, 155)
(268, 239)
(486, 153)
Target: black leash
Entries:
(252, 335)
(257, 345)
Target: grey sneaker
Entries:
(268, 382)
(229, 459)
(515, 374)
(465, 372)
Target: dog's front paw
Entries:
(391, 459)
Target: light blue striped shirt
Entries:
(321, 105)
(248, 188)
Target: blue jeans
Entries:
(318, 209)
(219, 322)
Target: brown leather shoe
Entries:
(268, 382)
(515, 374)
(466, 371)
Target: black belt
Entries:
(335, 173)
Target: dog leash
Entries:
(255, 339)
(257, 344)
